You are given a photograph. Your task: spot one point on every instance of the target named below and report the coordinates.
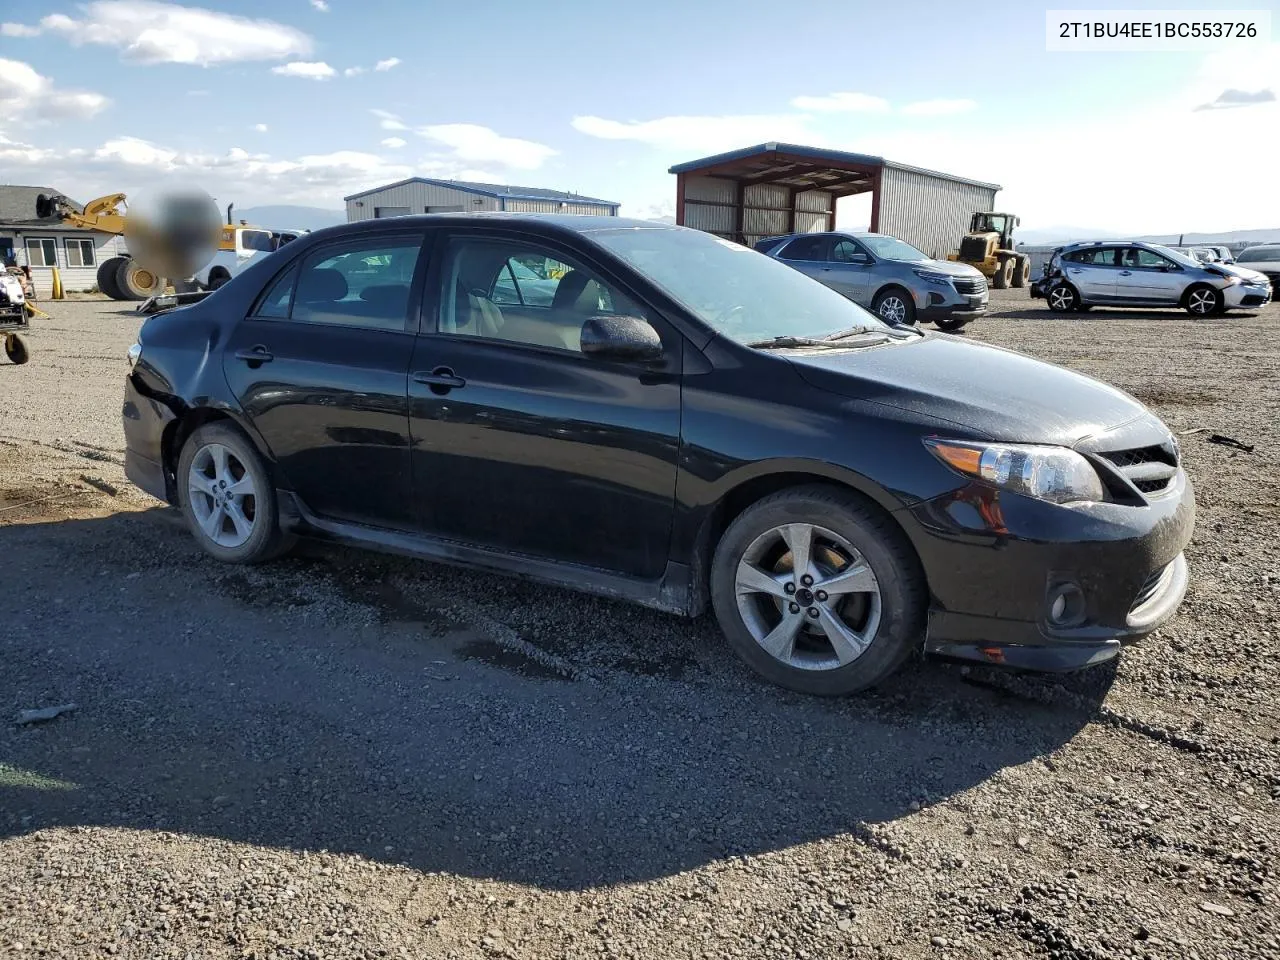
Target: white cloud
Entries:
(151, 32)
(353, 71)
(320, 5)
(704, 134)
(388, 64)
(18, 30)
(394, 143)
(22, 154)
(842, 103)
(260, 127)
(308, 70)
(25, 93)
(389, 121)
(938, 108)
(472, 142)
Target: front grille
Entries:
(1152, 586)
(969, 286)
(973, 248)
(1150, 469)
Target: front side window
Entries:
(362, 283)
(517, 293)
(80, 253)
(812, 248)
(42, 252)
(846, 251)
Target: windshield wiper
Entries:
(783, 343)
(852, 332)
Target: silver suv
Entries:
(1137, 274)
(893, 279)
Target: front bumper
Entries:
(995, 561)
(145, 421)
(1247, 295)
(937, 301)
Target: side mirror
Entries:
(861, 259)
(621, 338)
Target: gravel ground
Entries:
(349, 755)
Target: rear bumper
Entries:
(995, 563)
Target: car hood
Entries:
(990, 391)
(1245, 273)
(949, 267)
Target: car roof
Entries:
(551, 222)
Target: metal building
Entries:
(775, 188)
(421, 195)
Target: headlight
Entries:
(928, 276)
(133, 353)
(1232, 281)
(1048, 473)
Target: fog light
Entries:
(1066, 605)
(936, 299)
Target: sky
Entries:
(305, 101)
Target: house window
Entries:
(42, 252)
(80, 253)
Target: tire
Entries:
(887, 606)
(1021, 272)
(951, 324)
(898, 303)
(137, 282)
(1003, 276)
(107, 271)
(230, 542)
(1062, 297)
(15, 348)
(1203, 300)
(218, 279)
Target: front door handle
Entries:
(440, 380)
(255, 354)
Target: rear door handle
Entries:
(255, 354)
(442, 378)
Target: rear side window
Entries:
(362, 283)
(807, 248)
(1097, 256)
(764, 246)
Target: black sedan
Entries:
(668, 418)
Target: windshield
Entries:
(1259, 254)
(738, 292)
(891, 248)
(1175, 256)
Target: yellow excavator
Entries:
(158, 255)
(989, 246)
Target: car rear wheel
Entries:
(1203, 301)
(1062, 298)
(817, 591)
(227, 496)
(894, 306)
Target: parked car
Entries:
(251, 245)
(687, 424)
(1137, 274)
(1264, 258)
(894, 279)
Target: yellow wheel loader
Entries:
(989, 246)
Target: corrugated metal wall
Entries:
(927, 212)
(710, 206)
(419, 196)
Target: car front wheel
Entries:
(227, 496)
(894, 306)
(817, 591)
(1204, 301)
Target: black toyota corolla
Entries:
(651, 413)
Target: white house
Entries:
(43, 243)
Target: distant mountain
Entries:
(1051, 236)
(286, 216)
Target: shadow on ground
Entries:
(211, 707)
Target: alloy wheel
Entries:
(1061, 298)
(1202, 302)
(808, 597)
(893, 309)
(222, 495)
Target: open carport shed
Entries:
(777, 188)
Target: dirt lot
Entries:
(349, 755)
